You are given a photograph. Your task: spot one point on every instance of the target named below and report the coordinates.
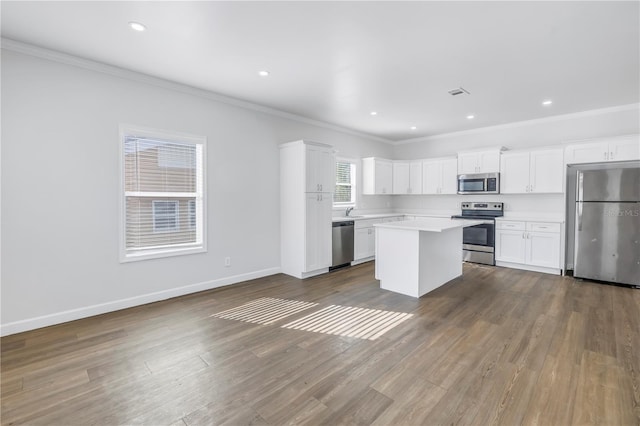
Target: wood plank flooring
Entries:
(495, 346)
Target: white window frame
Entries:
(354, 168)
(127, 130)
(192, 214)
(156, 215)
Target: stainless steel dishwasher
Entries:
(342, 243)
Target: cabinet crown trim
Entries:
(485, 149)
(305, 142)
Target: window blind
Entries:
(344, 183)
(163, 188)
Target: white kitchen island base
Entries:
(415, 257)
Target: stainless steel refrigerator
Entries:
(607, 226)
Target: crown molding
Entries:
(68, 59)
(516, 124)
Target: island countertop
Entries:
(430, 224)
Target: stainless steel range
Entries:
(478, 241)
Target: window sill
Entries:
(160, 253)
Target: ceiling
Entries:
(337, 62)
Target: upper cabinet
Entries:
(479, 162)
(539, 171)
(439, 176)
(623, 148)
(319, 168)
(377, 176)
(407, 177)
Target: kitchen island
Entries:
(414, 257)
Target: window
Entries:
(163, 194)
(345, 192)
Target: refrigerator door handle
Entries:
(580, 216)
(580, 186)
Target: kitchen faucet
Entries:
(348, 211)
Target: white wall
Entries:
(553, 131)
(60, 160)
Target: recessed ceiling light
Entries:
(547, 102)
(263, 73)
(137, 26)
(374, 113)
(413, 127)
(470, 117)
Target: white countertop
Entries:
(434, 224)
(527, 217)
(364, 216)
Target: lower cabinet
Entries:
(529, 245)
(364, 244)
(317, 231)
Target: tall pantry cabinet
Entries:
(307, 183)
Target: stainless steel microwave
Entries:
(479, 183)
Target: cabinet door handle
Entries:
(611, 155)
(523, 236)
(606, 155)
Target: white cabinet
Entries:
(528, 245)
(539, 171)
(622, 148)
(364, 244)
(439, 176)
(377, 176)
(407, 177)
(306, 173)
(319, 169)
(543, 249)
(479, 162)
(317, 221)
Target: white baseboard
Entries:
(366, 259)
(116, 305)
(554, 271)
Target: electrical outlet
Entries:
(227, 261)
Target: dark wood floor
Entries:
(496, 346)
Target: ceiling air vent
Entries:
(458, 91)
